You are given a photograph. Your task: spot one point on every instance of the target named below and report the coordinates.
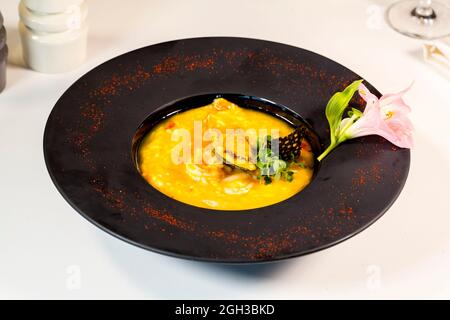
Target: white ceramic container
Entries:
(53, 52)
(53, 42)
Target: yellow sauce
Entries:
(217, 186)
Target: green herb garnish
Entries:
(289, 176)
(270, 165)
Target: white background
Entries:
(47, 250)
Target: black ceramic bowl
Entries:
(94, 130)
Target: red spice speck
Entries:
(364, 176)
(206, 63)
(79, 139)
(169, 219)
(130, 81)
(346, 210)
(95, 115)
(168, 65)
(115, 200)
(376, 173)
(170, 125)
(263, 245)
(360, 178)
(305, 146)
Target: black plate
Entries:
(88, 145)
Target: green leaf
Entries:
(336, 107)
(269, 164)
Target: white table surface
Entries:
(47, 250)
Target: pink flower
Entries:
(386, 117)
